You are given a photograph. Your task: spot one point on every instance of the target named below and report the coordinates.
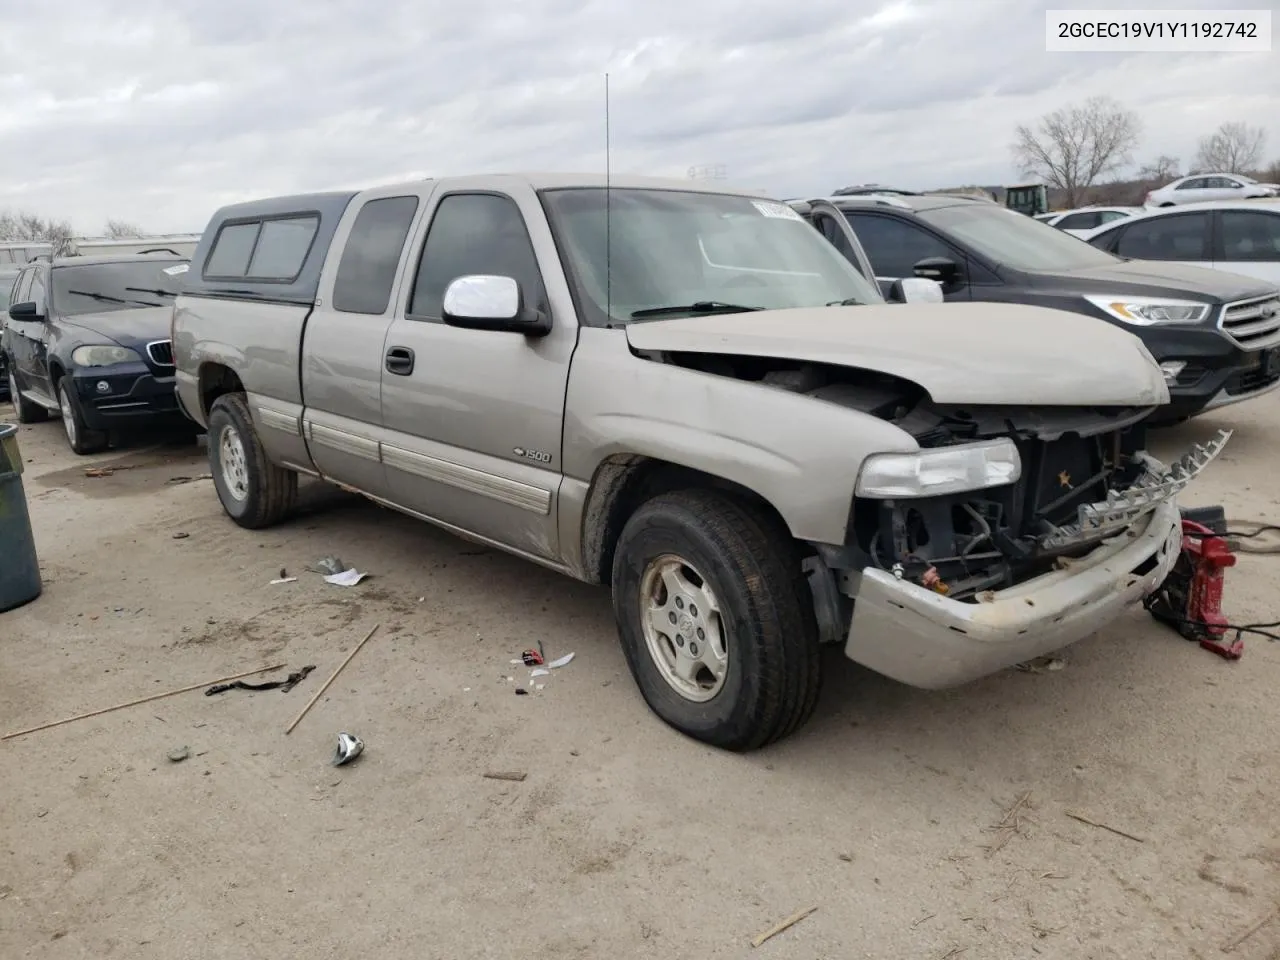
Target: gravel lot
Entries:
(625, 839)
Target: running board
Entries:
(40, 398)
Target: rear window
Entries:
(271, 250)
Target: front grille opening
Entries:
(161, 353)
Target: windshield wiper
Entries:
(847, 302)
(701, 306)
(158, 292)
(107, 298)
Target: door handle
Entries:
(400, 361)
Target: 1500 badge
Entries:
(536, 455)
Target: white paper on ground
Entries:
(540, 672)
(561, 662)
(347, 578)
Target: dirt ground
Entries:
(625, 839)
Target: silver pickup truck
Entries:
(688, 394)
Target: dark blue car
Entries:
(87, 339)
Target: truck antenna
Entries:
(608, 204)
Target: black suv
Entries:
(8, 274)
(1215, 335)
(87, 338)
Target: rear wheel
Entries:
(715, 619)
(27, 411)
(254, 492)
(80, 437)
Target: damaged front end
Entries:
(1064, 481)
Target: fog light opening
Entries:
(1171, 369)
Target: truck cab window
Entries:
(474, 233)
(282, 248)
(372, 252)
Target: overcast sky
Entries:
(158, 111)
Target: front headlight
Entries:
(943, 470)
(1151, 311)
(103, 356)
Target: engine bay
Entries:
(964, 544)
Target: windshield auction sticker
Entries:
(778, 211)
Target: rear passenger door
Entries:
(475, 417)
(343, 345)
(1249, 243)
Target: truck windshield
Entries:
(1015, 239)
(124, 285)
(671, 249)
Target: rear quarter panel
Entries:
(260, 342)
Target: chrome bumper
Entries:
(923, 639)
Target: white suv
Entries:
(1210, 186)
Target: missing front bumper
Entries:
(923, 639)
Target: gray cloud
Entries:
(158, 111)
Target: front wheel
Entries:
(715, 620)
(254, 492)
(81, 438)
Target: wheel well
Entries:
(624, 482)
(55, 372)
(215, 380)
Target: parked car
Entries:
(1241, 236)
(87, 339)
(1081, 220)
(7, 276)
(1214, 334)
(1200, 187)
(713, 412)
(177, 244)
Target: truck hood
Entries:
(961, 353)
(1167, 278)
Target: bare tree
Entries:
(123, 230)
(1234, 147)
(28, 226)
(1072, 147)
(1162, 168)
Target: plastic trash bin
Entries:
(19, 568)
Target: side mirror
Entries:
(485, 302)
(941, 269)
(915, 290)
(27, 310)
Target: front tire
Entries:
(26, 411)
(715, 619)
(254, 492)
(80, 437)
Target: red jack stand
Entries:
(1190, 599)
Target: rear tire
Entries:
(254, 492)
(27, 412)
(80, 437)
(757, 674)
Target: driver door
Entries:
(40, 331)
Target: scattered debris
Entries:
(539, 672)
(133, 703)
(281, 580)
(349, 747)
(916, 923)
(781, 925)
(1009, 826)
(563, 661)
(107, 471)
(1235, 941)
(530, 658)
(521, 692)
(333, 676)
(284, 686)
(505, 775)
(180, 480)
(180, 535)
(846, 857)
(178, 755)
(1102, 826)
(42, 813)
(328, 566)
(953, 953)
(1043, 665)
(347, 578)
